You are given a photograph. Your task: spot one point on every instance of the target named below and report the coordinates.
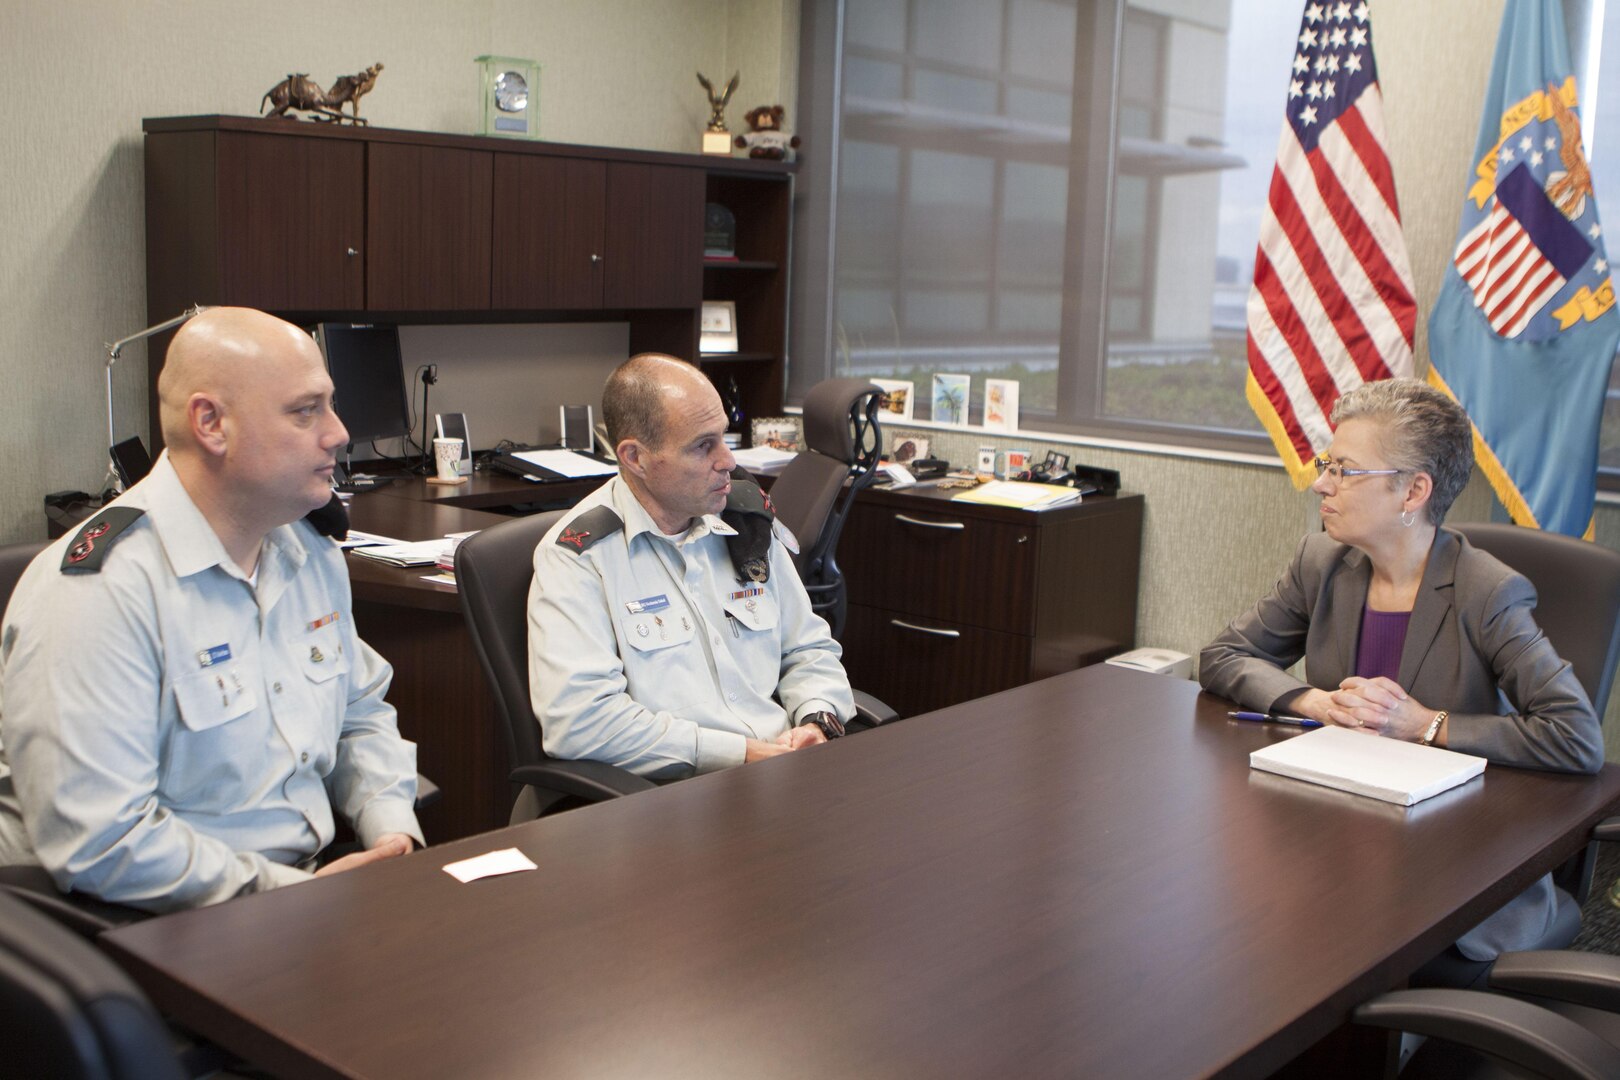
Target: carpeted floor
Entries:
(1600, 920)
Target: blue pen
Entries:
(1275, 718)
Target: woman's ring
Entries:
(1361, 723)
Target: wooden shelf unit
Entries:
(328, 222)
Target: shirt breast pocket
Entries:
(208, 699)
(658, 631)
(321, 656)
(753, 613)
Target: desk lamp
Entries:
(114, 351)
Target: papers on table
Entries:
(364, 539)
(1397, 772)
(763, 460)
(1020, 494)
(505, 861)
(565, 463)
(421, 553)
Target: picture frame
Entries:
(779, 432)
(950, 399)
(908, 449)
(899, 399)
(1001, 404)
(717, 327)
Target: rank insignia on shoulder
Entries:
(590, 527)
(96, 537)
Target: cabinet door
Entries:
(654, 237)
(548, 232)
(291, 222)
(427, 228)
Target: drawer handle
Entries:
(953, 526)
(926, 629)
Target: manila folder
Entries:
(1397, 772)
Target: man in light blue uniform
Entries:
(648, 648)
(183, 698)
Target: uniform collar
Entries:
(189, 541)
(638, 521)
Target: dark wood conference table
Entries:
(1078, 877)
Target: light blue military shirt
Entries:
(646, 651)
(171, 734)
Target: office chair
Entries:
(67, 1012)
(493, 572)
(811, 498)
(1557, 1014)
(1578, 608)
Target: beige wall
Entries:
(80, 76)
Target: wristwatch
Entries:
(1434, 728)
(828, 722)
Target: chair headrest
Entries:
(827, 428)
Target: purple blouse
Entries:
(1378, 651)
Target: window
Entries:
(1062, 192)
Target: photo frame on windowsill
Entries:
(899, 399)
(717, 328)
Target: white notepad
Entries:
(1399, 772)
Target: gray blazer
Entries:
(1472, 648)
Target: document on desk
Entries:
(420, 553)
(490, 864)
(1020, 494)
(1399, 772)
(566, 463)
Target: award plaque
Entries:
(719, 232)
(510, 97)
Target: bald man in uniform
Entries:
(652, 646)
(184, 702)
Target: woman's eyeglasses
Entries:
(1330, 468)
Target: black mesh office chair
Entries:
(493, 572)
(811, 496)
(68, 1013)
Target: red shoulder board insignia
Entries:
(96, 537)
(589, 528)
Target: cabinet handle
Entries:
(595, 258)
(351, 253)
(902, 624)
(953, 526)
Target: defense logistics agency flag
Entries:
(1331, 305)
(1524, 331)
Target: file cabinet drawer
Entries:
(941, 564)
(917, 665)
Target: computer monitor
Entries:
(368, 379)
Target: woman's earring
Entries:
(1408, 517)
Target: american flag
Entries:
(1332, 302)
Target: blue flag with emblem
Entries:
(1525, 331)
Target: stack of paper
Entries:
(1021, 494)
(566, 463)
(421, 553)
(1397, 772)
(763, 460)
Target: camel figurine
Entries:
(304, 94)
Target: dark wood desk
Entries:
(1078, 877)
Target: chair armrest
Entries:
(1607, 829)
(872, 712)
(1514, 1031)
(427, 792)
(593, 781)
(1591, 979)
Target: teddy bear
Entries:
(765, 138)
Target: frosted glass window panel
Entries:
(964, 32)
(878, 24)
(1040, 38)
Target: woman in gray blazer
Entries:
(1408, 631)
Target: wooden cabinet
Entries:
(323, 221)
(579, 234)
(427, 228)
(952, 601)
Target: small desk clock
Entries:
(511, 97)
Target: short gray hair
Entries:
(1421, 430)
(633, 400)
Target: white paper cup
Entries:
(446, 454)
